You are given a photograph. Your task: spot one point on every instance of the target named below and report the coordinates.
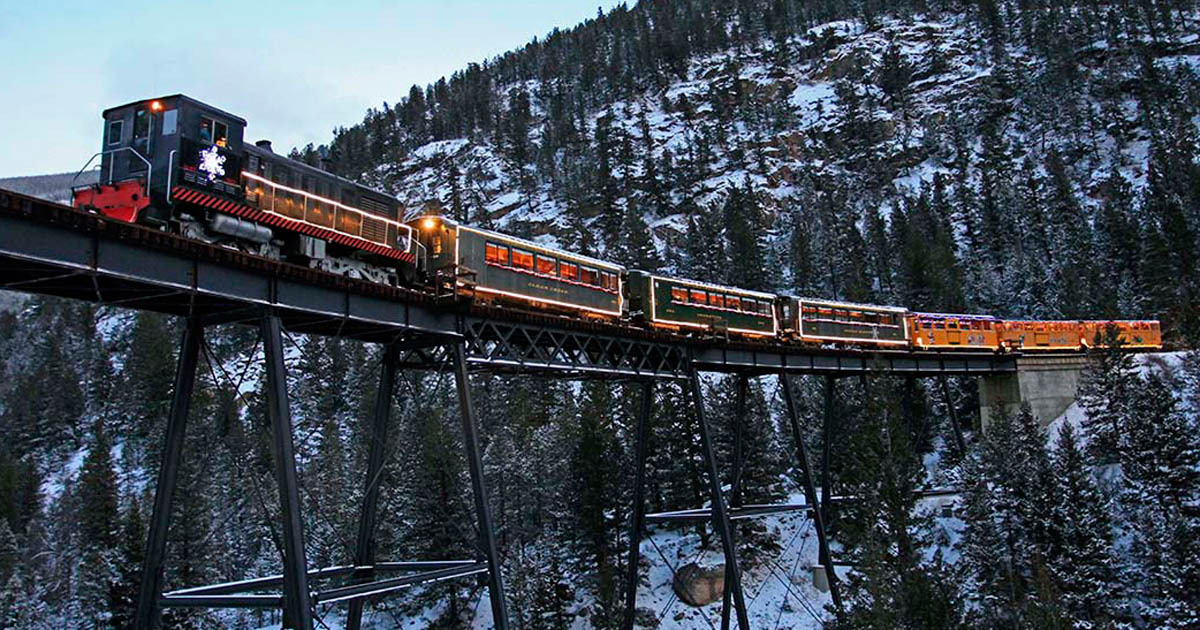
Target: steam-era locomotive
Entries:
(183, 166)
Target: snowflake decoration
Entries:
(212, 163)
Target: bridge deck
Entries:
(51, 249)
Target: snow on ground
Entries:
(12, 302)
(779, 590)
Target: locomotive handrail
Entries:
(170, 172)
(149, 166)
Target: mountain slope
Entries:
(1032, 132)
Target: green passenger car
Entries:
(508, 269)
(823, 321)
(678, 304)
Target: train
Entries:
(180, 165)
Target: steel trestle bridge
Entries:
(50, 249)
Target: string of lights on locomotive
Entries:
(182, 165)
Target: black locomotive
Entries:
(183, 165)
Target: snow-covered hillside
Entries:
(914, 90)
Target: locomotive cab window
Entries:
(141, 124)
(170, 122)
(115, 129)
(213, 131)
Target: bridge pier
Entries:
(148, 611)
(735, 490)
(297, 606)
(364, 552)
(810, 493)
(637, 518)
(720, 515)
(483, 515)
(1048, 383)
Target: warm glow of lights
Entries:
(156, 106)
(429, 223)
(296, 191)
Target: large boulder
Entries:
(699, 586)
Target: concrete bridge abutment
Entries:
(1048, 383)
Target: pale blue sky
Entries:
(293, 70)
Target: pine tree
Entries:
(704, 248)
(638, 242)
(894, 587)
(9, 553)
(124, 593)
(743, 233)
(1104, 393)
(595, 488)
(1160, 452)
(1161, 469)
(149, 373)
(99, 531)
(1083, 566)
(98, 516)
(1007, 545)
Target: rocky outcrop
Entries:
(699, 586)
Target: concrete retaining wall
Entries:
(1047, 382)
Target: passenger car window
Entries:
(679, 295)
(587, 275)
(496, 254)
(608, 281)
(547, 265)
(570, 271)
(699, 297)
(522, 259)
(734, 303)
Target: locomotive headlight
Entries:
(156, 106)
(429, 223)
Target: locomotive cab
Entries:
(151, 145)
